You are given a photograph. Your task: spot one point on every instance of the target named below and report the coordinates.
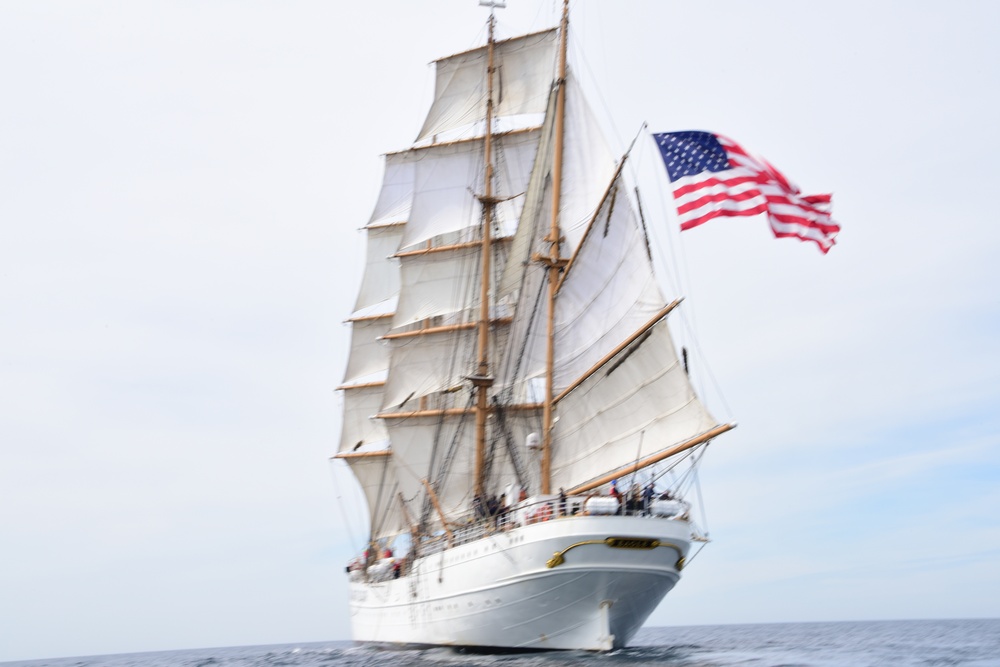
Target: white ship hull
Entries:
(499, 591)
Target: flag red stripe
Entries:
(818, 199)
(809, 215)
(823, 248)
(826, 228)
(717, 197)
(721, 212)
(791, 200)
(709, 182)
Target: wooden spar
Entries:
(499, 43)
(441, 412)
(554, 262)
(448, 248)
(362, 455)
(453, 412)
(383, 225)
(455, 142)
(650, 460)
(621, 346)
(370, 318)
(363, 385)
(437, 507)
(481, 379)
(444, 328)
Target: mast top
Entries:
(493, 4)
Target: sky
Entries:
(181, 189)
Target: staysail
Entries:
(614, 405)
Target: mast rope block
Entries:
(552, 263)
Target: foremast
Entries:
(482, 379)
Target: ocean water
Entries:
(966, 643)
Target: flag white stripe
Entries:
(786, 209)
(719, 189)
(803, 232)
(738, 208)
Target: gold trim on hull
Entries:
(559, 557)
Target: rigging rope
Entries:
(445, 466)
(355, 545)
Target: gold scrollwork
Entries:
(559, 557)
(631, 543)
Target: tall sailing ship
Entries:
(511, 374)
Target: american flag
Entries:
(714, 176)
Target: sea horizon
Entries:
(655, 637)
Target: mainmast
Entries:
(482, 379)
(554, 262)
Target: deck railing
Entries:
(479, 523)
